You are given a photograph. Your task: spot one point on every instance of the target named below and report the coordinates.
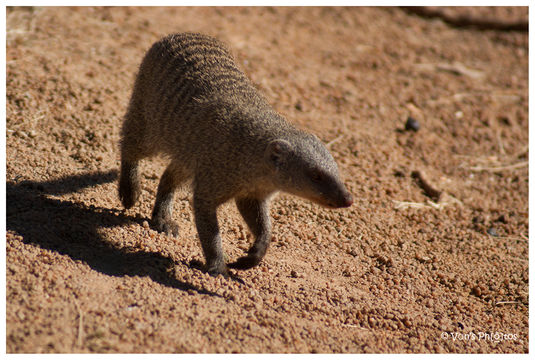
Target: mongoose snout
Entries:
(342, 197)
(192, 103)
(343, 200)
(305, 168)
(348, 200)
(338, 197)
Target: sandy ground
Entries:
(402, 270)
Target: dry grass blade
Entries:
(455, 68)
(447, 199)
(407, 204)
(80, 325)
(480, 168)
(328, 145)
(506, 302)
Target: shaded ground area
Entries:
(432, 257)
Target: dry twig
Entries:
(429, 189)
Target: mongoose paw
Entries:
(168, 227)
(245, 262)
(128, 192)
(213, 270)
(219, 270)
(128, 198)
(226, 274)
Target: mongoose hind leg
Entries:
(131, 153)
(256, 214)
(208, 229)
(162, 214)
(129, 188)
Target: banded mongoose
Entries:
(192, 103)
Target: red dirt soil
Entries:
(402, 270)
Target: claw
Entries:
(168, 227)
(196, 264)
(216, 272)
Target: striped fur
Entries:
(192, 103)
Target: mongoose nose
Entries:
(348, 200)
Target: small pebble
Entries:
(406, 322)
(503, 219)
(492, 232)
(412, 124)
(145, 224)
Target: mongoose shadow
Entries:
(72, 229)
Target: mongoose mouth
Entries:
(344, 202)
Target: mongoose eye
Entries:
(316, 176)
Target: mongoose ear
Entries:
(277, 152)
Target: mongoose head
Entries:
(301, 165)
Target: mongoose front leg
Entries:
(208, 229)
(129, 188)
(256, 215)
(163, 207)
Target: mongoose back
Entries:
(193, 104)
